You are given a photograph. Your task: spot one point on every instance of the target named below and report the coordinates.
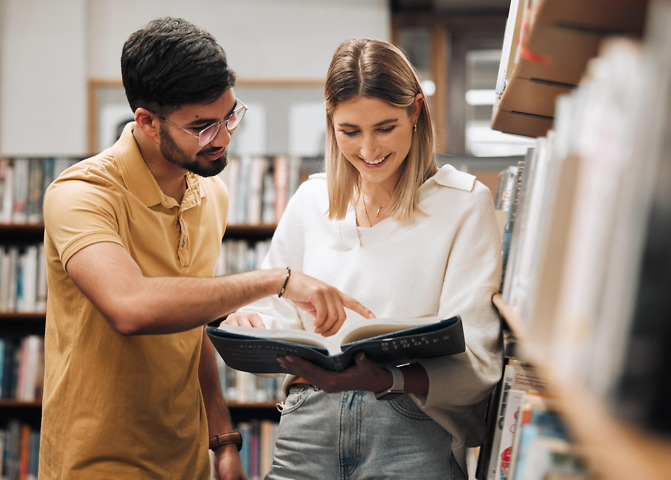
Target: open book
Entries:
(385, 341)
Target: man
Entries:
(132, 236)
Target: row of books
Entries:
(258, 444)
(23, 182)
(587, 261)
(241, 255)
(528, 438)
(21, 368)
(244, 387)
(260, 187)
(23, 286)
(23, 282)
(19, 451)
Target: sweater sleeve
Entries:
(472, 277)
(286, 250)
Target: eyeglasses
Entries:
(207, 134)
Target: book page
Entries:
(363, 329)
(289, 335)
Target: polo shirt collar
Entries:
(141, 182)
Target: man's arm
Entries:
(135, 304)
(227, 462)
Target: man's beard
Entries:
(175, 155)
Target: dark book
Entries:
(385, 341)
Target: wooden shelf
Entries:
(250, 232)
(22, 232)
(37, 317)
(20, 404)
(615, 450)
(557, 39)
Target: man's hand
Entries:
(227, 464)
(325, 303)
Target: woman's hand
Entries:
(244, 319)
(363, 375)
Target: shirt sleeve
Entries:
(78, 213)
(472, 277)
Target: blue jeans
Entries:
(354, 436)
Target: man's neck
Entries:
(171, 179)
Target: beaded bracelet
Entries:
(286, 280)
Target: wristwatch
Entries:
(396, 388)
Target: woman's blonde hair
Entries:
(377, 69)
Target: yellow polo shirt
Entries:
(119, 406)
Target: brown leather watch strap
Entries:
(221, 439)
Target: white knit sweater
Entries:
(443, 263)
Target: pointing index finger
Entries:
(355, 306)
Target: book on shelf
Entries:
(6, 192)
(508, 202)
(388, 341)
(20, 200)
(35, 192)
(542, 442)
(641, 391)
(259, 187)
(22, 278)
(21, 368)
(241, 255)
(19, 450)
(23, 181)
(518, 379)
(9, 277)
(258, 440)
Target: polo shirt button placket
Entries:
(182, 245)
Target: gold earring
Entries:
(414, 128)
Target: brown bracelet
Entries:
(222, 439)
(286, 280)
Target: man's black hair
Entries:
(170, 63)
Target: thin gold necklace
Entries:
(363, 197)
(377, 214)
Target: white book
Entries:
(31, 368)
(20, 200)
(41, 300)
(12, 277)
(506, 385)
(257, 170)
(4, 279)
(28, 261)
(231, 178)
(505, 453)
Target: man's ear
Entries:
(147, 122)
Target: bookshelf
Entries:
(615, 449)
(252, 402)
(583, 312)
(547, 47)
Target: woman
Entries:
(385, 225)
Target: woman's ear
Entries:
(147, 122)
(417, 107)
